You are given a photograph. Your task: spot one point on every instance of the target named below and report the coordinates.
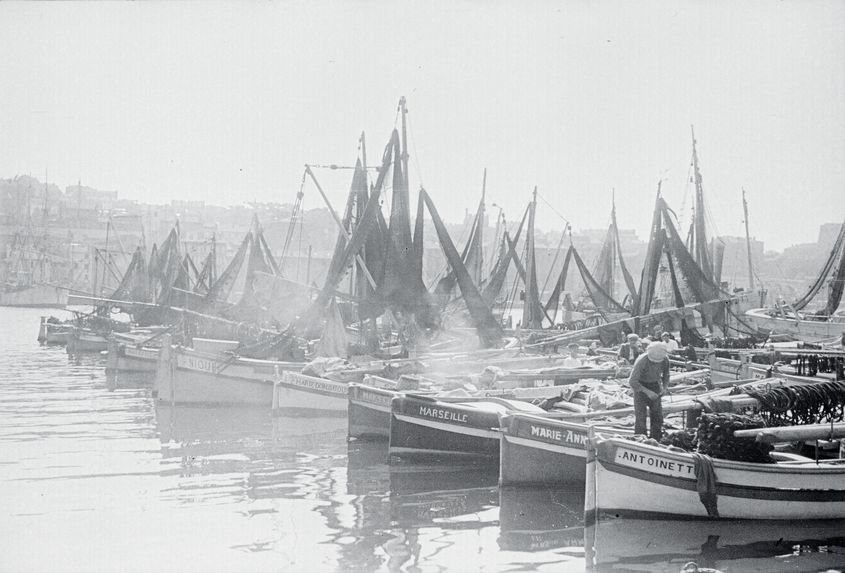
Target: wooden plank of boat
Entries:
(794, 433)
(636, 479)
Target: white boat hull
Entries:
(630, 479)
(124, 357)
(186, 376)
(294, 392)
(540, 451)
(807, 330)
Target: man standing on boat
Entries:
(649, 380)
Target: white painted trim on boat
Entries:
(534, 444)
(399, 451)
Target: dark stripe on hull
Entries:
(729, 490)
(414, 440)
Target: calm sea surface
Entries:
(96, 477)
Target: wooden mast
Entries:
(747, 242)
(700, 244)
(404, 155)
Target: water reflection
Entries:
(748, 546)
(129, 380)
(541, 519)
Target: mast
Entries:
(747, 242)
(613, 253)
(700, 243)
(212, 271)
(480, 231)
(107, 258)
(404, 110)
(531, 312)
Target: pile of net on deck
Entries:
(778, 406)
(714, 437)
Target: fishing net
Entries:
(795, 405)
(714, 437)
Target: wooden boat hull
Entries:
(123, 357)
(807, 330)
(83, 341)
(57, 334)
(294, 392)
(728, 369)
(423, 427)
(369, 412)
(187, 376)
(633, 479)
(542, 451)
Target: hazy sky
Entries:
(226, 102)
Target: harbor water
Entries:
(96, 476)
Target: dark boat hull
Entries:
(539, 451)
(369, 412)
(427, 428)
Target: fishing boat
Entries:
(211, 373)
(539, 450)
(369, 408)
(743, 367)
(131, 353)
(636, 479)
(84, 340)
(294, 392)
(52, 331)
(793, 320)
(801, 326)
(423, 426)
(370, 401)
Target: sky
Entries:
(225, 102)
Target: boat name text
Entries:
(661, 465)
(301, 381)
(565, 436)
(440, 414)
